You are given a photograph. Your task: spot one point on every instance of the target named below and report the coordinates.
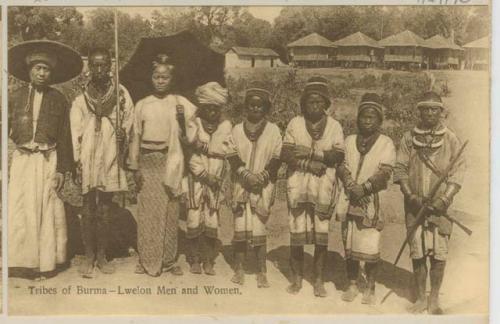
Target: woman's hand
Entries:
(139, 179)
(356, 192)
(213, 181)
(302, 152)
(317, 168)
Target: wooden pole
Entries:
(117, 86)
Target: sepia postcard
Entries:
(248, 161)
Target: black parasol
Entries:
(195, 64)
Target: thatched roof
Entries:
(405, 38)
(311, 40)
(479, 43)
(254, 51)
(357, 39)
(439, 42)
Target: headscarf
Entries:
(211, 93)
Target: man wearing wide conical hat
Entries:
(40, 128)
(423, 154)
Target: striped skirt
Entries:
(157, 216)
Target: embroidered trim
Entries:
(430, 103)
(371, 103)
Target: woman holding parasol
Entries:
(155, 150)
(177, 64)
(40, 128)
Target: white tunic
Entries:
(97, 150)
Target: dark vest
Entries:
(53, 126)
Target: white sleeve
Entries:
(76, 122)
(128, 115)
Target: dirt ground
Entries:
(464, 291)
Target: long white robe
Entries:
(251, 211)
(363, 242)
(97, 150)
(36, 222)
(204, 203)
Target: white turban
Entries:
(211, 93)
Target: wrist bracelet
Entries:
(445, 200)
(265, 175)
(367, 187)
(308, 164)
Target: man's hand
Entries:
(438, 206)
(58, 181)
(139, 179)
(121, 135)
(301, 152)
(416, 201)
(317, 168)
(77, 175)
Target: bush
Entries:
(367, 81)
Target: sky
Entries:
(266, 13)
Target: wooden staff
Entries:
(118, 105)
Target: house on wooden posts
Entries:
(443, 53)
(477, 54)
(358, 50)
(311, 51)
(251, 57)
(404, 50)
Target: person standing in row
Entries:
(157, 159)
(424, 153)
(312, 148)
(100, 126)
(254, 164)
(207, 164)
(365, 173)
(39, 126)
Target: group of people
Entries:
(181, 151)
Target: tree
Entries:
(246, 30)
(215, 20)
(171, 20)
(54, 23)
(99, 32)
